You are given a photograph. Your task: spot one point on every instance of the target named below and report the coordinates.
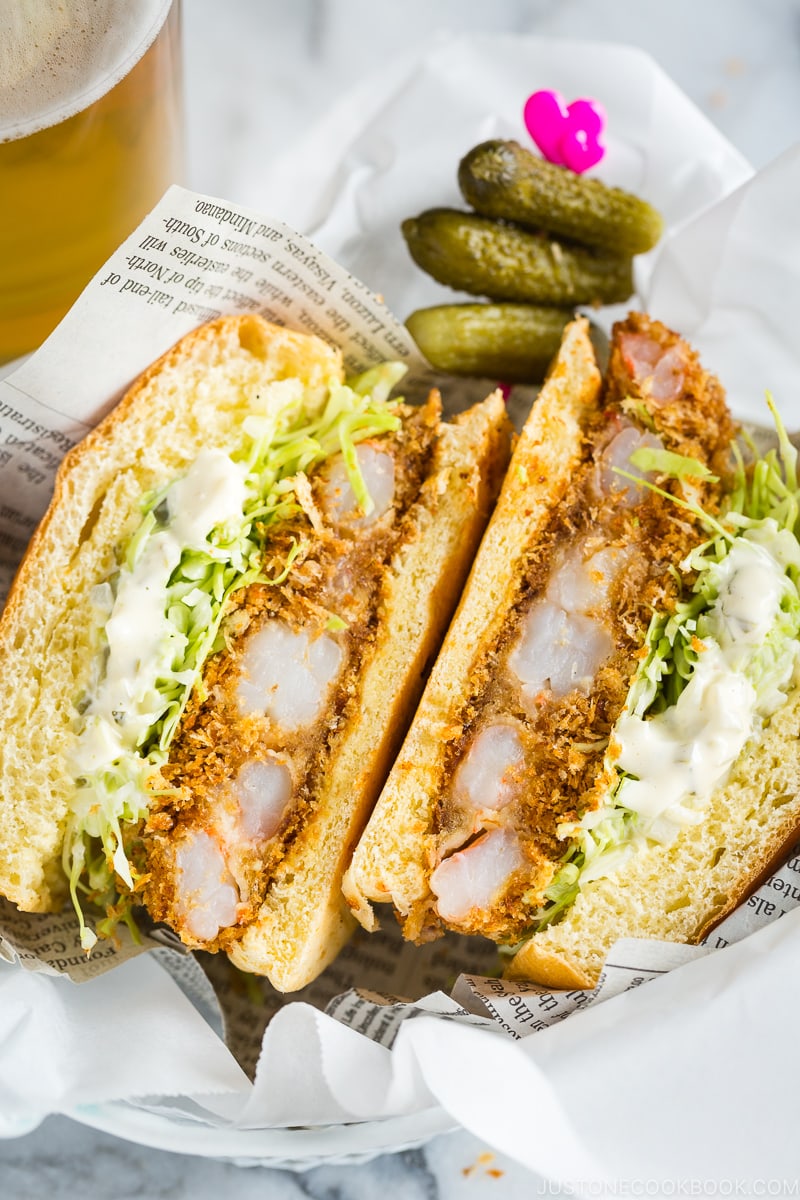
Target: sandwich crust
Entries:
(676, 891)
(196, 397)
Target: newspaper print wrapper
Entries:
(613, 1089)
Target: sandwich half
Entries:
(217, 637)
(608, 743)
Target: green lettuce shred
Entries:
(667, 462)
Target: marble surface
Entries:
(258, 73)
(65, 1160)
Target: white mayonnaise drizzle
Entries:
(681, 755)
(141, 641)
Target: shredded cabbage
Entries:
(131, 741)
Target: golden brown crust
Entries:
(537, 964)
(196, 396)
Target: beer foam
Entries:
(58, 56)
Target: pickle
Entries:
(510, 342)
(487, 258)
(503, 179)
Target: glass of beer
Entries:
(91, 133)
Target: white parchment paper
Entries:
(636, 1081)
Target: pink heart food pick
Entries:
(545, 115)
(567, 135)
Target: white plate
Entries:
(288, 1149)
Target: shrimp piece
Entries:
(286, 675)
(475, 878)
(490, 773)
(207, 896)
(262, 792)
(615, 457)
(558, 651)
(660, 373)
(337, 498)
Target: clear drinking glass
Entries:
(91, 135)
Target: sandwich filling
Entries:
(228, 645)
(653, 634)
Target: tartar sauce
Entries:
(142, 643)
(679, 756)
